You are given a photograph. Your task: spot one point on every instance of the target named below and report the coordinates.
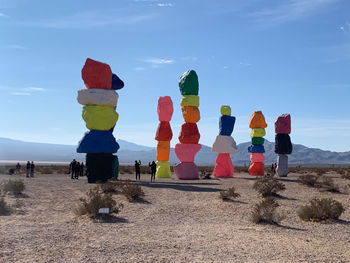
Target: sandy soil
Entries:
(182, 221)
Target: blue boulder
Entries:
(226, 125)
(98, 142)
(255, 148)
(117, 83)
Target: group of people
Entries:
(76, 169)
(30, 166)
(153, 168)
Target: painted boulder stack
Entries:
(257, 124)
(99, 102)
(163, 136)
(283, 144)
(188, 145)
(224, 144)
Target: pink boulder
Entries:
(165, 108)
(223, 167)
(283, 124)
(186, 152)
(257, 157)
(186, 171)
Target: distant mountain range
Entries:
(302, 155)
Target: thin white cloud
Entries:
(88, 19)
(3, 15)
(139, 68)
(158, 61)
(291, 10)
(33, 89)
(20, 93)
(13, 46)
(244, 64)
(165, 4)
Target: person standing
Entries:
(82, 169)
(153, 170)
(27, 169)
(18, 168)
(137, 169)
(73, 164)
(77, 171)
(32, 167)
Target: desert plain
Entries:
(177, 221)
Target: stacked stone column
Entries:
(189, 134)
(224, 144)
(164, 136)
(258, 124)
(100, 102)
(283, 144)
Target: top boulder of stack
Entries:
(188, 83)
(257, 120)
(96, 75)
(225, 110)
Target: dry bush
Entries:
(268, 186)
(4, 208)
(321, 210)
(96, 200)
(329, 185)
(229, 194)
(265, 212)
(15, 187)
(109, 187)
(309, 180)
(346, 174)
(126, 170)
(131, 191)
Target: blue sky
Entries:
(288, 56)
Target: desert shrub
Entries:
(268, 186)
(329, 185)
(4, 208)
(321, 171)
(321, 209)
(15, 187)
(265, 212)
(229, 194)
(131, 191)
(346, 174)
(309, 180)
(96, 200)
(109, 187)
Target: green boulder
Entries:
(188, 83)
(258, 140)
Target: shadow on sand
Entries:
(110, 219)
(188, 187)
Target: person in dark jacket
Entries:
(27, 169)
(32, 166)
(77, 170)
(82, 169)
(137, 168)
(153, 170)
(73, 165)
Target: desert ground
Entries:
(178, 221)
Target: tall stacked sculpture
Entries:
(283, 145)
(258, 124)
(189, 134)
(224, 144)
(163, 136)
(100, 102)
